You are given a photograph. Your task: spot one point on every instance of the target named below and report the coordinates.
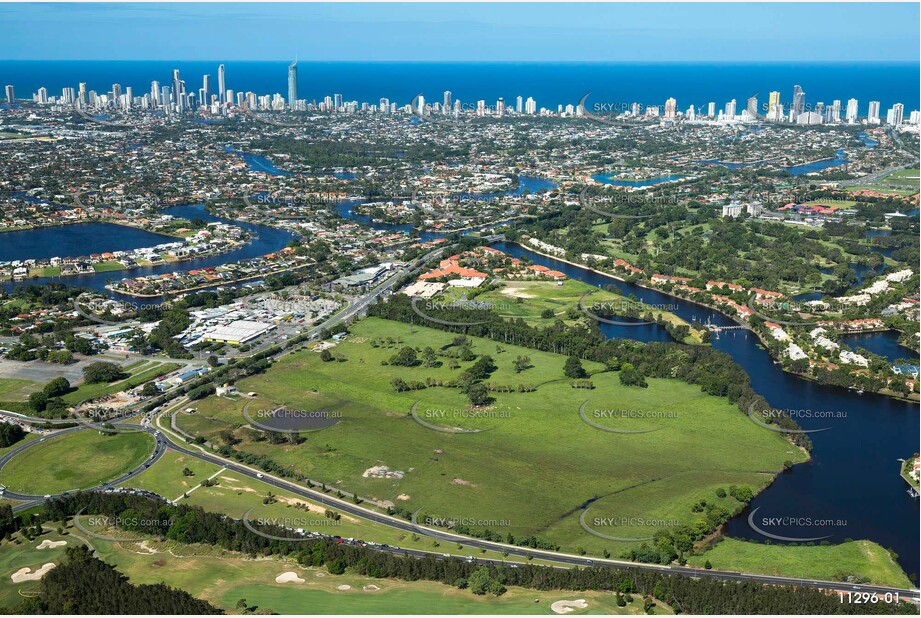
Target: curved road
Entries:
(160, 446)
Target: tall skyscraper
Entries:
(851, 114)
(447, 100)
(519, 104)
(177, 89)
(873, 113)
(836, 110)
(10, 94)
(711, 109)
(731, 109)
(155, 93)
(896, 115)
(530, 106)
(671, 108)
(221, 85)
(799, 101)
(205, 89)
(292, 84)
(773, 99)
(752, 106)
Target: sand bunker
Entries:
(50, 544)
(288, 576)
(564, 607)
(25, 574)
(319, 574)
(343, 587)
(371, 588)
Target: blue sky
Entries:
(444, 32)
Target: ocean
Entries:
(550, 84)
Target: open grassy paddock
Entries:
(538, 464)
(863, 558)
(76, 460)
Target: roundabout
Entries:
(76, 459)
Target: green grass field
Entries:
(863, 558)
(12, 389)
(75, 461)
(538, 463)
(104, 267)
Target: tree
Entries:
(522, 363)
(102, 371)
(573, 368)
(213, 360)
(57, 387)
(406, 357)
(150, 389)
(326, 355)
(478, 395)
(38, 401)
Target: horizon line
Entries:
(396, 61)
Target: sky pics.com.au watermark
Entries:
(774, 418)
(445, 419)
(623, 528)
(607, 312)
(601, 418)
(429, 310)
(794, 528)
(290, 420)
(451, 522)
(292, 529)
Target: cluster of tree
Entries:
(187, 524)
(172, 322)
(713, 371)
(103, 372)
(48, 400)
(10, 434)
(83, 584)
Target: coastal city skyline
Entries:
(180, 98)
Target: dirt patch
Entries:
(564, 607)
(382, 472)
(462, 482)
(343, 587)
(311, 508)
(515, 292)
(25, 574)
(288, 576)
(50, 544)
(404, 497)
(371, 588)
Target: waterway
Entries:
(853, 474)
(264, 239)
(648, 182)
(75, 240)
